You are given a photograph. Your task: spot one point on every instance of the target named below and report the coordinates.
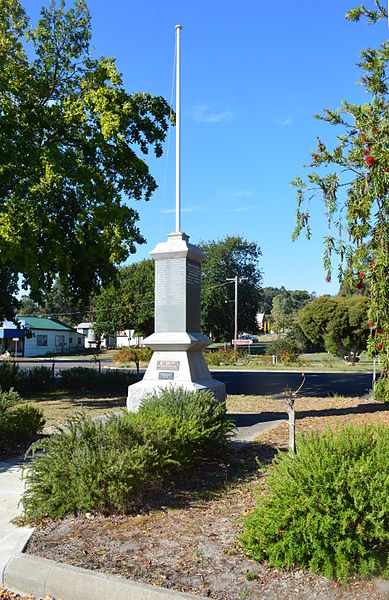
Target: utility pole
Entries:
(235, 280)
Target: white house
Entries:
(92, 340)
(38, 336)
(127, 338)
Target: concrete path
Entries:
(12, 538)
(250, 425)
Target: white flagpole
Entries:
(178, 134)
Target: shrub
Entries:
(285, 349)
(327, 507)
(9, 375)
(111, 466)
(126, 356)
(90, 380)
(220, 357)
(381, 391)
(193, 422)
(17, 422)
(35, 379)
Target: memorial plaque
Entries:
(165, 375)
(170, 290)
(193, 292)
(168, 365)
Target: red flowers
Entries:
(371, 324)
(379, 331)
(369, 161)
(361, 275)
(359, 285)
(379, 345)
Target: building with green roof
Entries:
(38, 336)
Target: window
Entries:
(85, 331)
(70, 340)
(41, 340)
(59, 340)
(79, 341)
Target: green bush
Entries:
(17, 422)
(285, 349)
(327, 507)
(112, 466)
(220, 357)
(35, 379)
(9, 375)
(381, 391)
(191, 422)
(90, 380)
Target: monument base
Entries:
(182, 365)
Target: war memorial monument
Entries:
(177, 340)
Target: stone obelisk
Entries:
(177, 341)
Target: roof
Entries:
(84, 325)
(44, 323)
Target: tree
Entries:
(129, 304)
(341, 322)
(8, 291)
(356, 192)
(229, 257)
(281, 310)
(72, 142)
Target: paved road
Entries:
(259, 382)
(316, 384)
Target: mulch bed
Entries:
(187, 538)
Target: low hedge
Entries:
(17, 421)
(327, 507)
(112, 466)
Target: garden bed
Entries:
(186, 539)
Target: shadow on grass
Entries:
(245, 420)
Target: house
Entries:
(92, 340)
(38, 336)
(126, 338)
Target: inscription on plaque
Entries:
(170, 282)
(165, 375)
(168, 365)
(193, 273)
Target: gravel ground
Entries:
(187, 539)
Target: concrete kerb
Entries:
(27, 574)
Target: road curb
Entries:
(26, 574)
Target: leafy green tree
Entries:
(129, 304)
(356, 190)
(8, 291)
(226, 258)
(281, 311)
(341, 322)
(72, 148)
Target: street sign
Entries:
(15, 339)
(242, 342)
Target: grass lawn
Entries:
(59, 405)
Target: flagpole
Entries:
(178, 133)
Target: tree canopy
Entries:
(128, 304)
(226, 258)
(355, 191)
(72, 148)
(341, 322)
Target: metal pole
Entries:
(178, 134)
(16, 350)
(374, 373)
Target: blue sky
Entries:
(253, 75)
